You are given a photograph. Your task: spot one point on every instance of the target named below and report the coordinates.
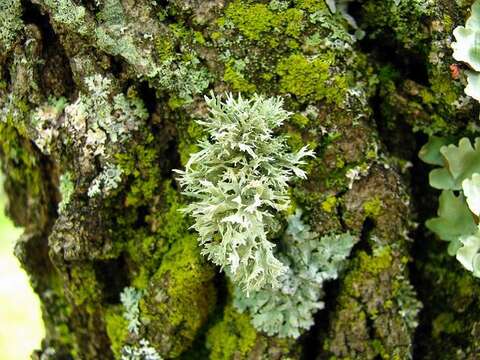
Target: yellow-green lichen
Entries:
(381, 260)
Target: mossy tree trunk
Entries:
(365, 104)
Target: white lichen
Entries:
(98, 122)
(142, 352)
(44, 122)
(130, 298)
(238, 181)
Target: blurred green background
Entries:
(21, 326)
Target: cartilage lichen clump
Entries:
(238, 181)
(130, 298)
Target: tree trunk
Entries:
(100, 204)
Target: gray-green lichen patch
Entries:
(131, 33)
(10, 24)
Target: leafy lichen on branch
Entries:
(238, 181)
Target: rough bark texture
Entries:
(365, 105)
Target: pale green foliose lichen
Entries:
(311, 260)
(130, 299)
(106, 181)
(457, 214)
(238, 181)
(466, 49)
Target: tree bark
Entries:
(364, 103)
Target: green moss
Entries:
(117, 329)
(170, 223)
(166, 226)
(199, 39)
(379, 349)
(180, 297)
(443, 88)
(299, 120)
(373, 207)
(381, 260)
(165, 48)
(385, 18)
(141, 163)
(311, 5)
(293, 22)
(189, 136)
(311, 79)
(256, 21)
(251, 20)
(231, 338)
(329, 204)
(237, 80)
(83, 286)
(445, 323)
(295, 140)
(21, 164)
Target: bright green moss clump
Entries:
(179, 299)
(231, 338)
(373, 207)
(117, 329)
(256, 20)
(141, 165)
(311, 79)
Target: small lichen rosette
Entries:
(459, 202)
(311, 260)
(238, 181)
